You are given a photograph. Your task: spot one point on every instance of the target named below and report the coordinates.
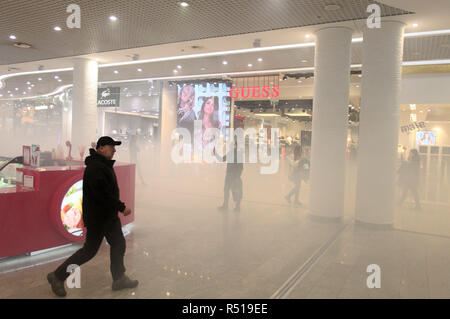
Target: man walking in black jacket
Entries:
(100, 206)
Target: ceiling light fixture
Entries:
(139, 70)
(179, 66)
(113, 18)
(184, 4)
(307, 36)
(415, 25)
(250, 65)
(260, 59)
(116, 72)
(39, 79)
(57, 28)
(12, 37)
(224, 62)
(175, 71)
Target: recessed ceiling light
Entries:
(203, 69)
(17, 89)
(224, 62)
(250, 65)
(29, 88)
(115, 71)
(11, 95)
(415, 25)
(179, 66)
(1, 95)
(299, 81)
(32, 85)
(28, 82)
(12, 37)
(56, 77)
(184, 4)
(57, 28)
(59, 80)
(360, 75)
(307, 36)
(39, 79)
(260, 59)
(175, 71)
(113, 18)
(139, 70)
(304, 61)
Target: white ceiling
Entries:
(416, 48)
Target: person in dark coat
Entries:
(101, 205)
(233, 181)
(299, 170)
(409, 178)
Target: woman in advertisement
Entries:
(206, 115)
(186, 100)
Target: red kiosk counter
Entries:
(49, 214)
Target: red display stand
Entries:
(31, 218)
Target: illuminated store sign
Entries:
(109, 97)
(255, 92)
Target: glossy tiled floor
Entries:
(182, 247)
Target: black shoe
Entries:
(57, 285)
(222, 208)
(123, 283)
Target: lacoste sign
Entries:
(108, 97)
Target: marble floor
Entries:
(181, 246)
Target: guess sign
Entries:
(255, 91)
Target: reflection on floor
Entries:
(182, 247)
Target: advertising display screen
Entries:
(71, 209)
(208, 102)
(425, 138)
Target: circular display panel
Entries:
(72, 211)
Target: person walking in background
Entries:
(299, 170)
(100, 205)
(233, 181)
(409, 178)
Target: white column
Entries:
(379, 123)
(84, 105)
(330, 121)
(168, 124)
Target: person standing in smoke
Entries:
(101, 205)
(409, 178)
(299, 170)
(233, 181)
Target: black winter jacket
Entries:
(100, 190)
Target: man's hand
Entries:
(127, 211)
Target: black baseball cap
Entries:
(106, 140)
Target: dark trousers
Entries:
(233, 184)
(112, 230)
(295, 190)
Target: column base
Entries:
(373, 226)
(325, 220)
